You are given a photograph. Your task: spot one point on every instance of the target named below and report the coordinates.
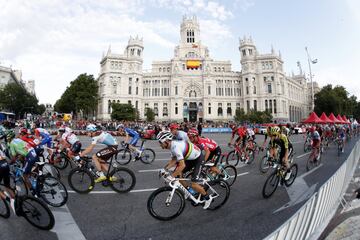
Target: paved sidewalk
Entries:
(346, 223)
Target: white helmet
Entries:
(91, 128)
(164, 135)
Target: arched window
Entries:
(109, 107)
(176, 108)
(192, 93)
(220, 111)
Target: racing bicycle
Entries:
(125, 155)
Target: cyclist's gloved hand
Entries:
(229, 144)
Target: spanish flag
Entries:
(192, 63)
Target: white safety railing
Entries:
(312, 218)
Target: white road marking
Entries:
(300, 156)
(113, 192)
(311, 171)
(150, 170)
(242, 174)
(65, 225)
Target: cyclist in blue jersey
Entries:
(341, 133)
(45, 139)
(103, 155)
(130, 133)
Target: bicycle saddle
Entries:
(209, 164)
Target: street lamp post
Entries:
(311, 80)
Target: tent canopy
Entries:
(325, 118)
(333, 118)
(340, 119)
(313, 118)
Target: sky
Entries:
(53, 41)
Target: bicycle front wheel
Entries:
(270, 185)
(294, 170)
(221, 190)
(122, 180)
(52, 191)
(123, 156)
(311, 162)
(4, 209)
(51, 170)
(147, 156)
(60, 161)
(164, 204)
(232, 158)
(36, 213)
(81, 180)
(251, 155)
(230, 173)
(264, 165)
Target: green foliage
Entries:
(122, 111)
(15, 98)
(149, 114)
(81, 95)
(40, 109)
(336, 100)
(252, 116)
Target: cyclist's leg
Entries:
(215, 156)
(30, 160)
(196, 174)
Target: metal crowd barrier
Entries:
(312, 218)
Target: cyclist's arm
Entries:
(87, 150)
(170, 164)
(126, 137)
(207, 154)
(180, 167)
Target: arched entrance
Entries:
(193, 111)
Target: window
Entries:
(255, 105)
(165, 109)
(269, 88)
(272, 78)
(176, 108)
(228, 110)
(274, 106)
(248, 105)
(129, 102)
(138, 52)
(156, 110)
(130, 81)
(237, 105)
(254, 90)
(109, 107)
(176, 90)
(209, 108)
(220, 111)
(270, 103)
(129, 90)
(137, 90)
(244, 52)
(114, 88)
(209, 90)
(250, 51)
(264, 79)
(266, 105)
(247, 89)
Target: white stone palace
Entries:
(194, 87)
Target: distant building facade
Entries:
(194, 87)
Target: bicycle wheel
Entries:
(36, 213)
(123, 180)
(52, 191)
(232, 158)
(147, 156)
(270, 185)
(294, 170)
(264, 165)
(230, 173)
(311, 162)
(4, 209)
(81, 180)
(60, 161)
(306, 147)
(165, 204)
(221, 189)
(51, 170)
(123, 156)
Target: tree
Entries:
(81, 95)
(149, 114)
(240, 115)
(252, 116)
(122, 111)
(40, 109)
(15, 98)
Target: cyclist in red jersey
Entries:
(30, 139)
(212, 150)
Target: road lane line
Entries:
(113, 192)
(311, 171)
(242, 174)
(300, 156)
(150, 170)
(65, 225)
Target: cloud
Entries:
(244, 5)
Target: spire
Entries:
(109, 50)
(272, 49)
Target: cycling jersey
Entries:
(181, 136)
(315, 135)
(239, 131)
(184, 150)
(281, 140)
(104, 138)
(41, 132)
(250, 132)
(70, 137)
(131, 132)
(18, 146)
(206, 143)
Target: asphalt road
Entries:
(104, 214)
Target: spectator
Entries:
(199, 128)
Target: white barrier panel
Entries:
(316, 213)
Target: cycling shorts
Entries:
(315, 143)
(196, 165)
(134, 140)
(5, 173)
(30, 159)
(107, 153)
(76, 147)
(215, 155)
(46, 141)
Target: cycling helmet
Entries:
(119, 126)
(23, 131)
(274, 131)
(91, 128)
(61, 129)
(10, 135)
(174, 126)
(193, 132)
(312, 129)
(164, 135)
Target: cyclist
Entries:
(135, 136)
(69, 140)
(250, 133)
(5, 177)
(185, 156)
(103, 155)
(211, 148)
(242, 135)
(18, 147)
(286, 132)
(178, 134)
(281, 140)
(45, 139)
(341, 135)
(316, 140)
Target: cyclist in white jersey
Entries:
(185, 156)
(103, 155)
(70, 140)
